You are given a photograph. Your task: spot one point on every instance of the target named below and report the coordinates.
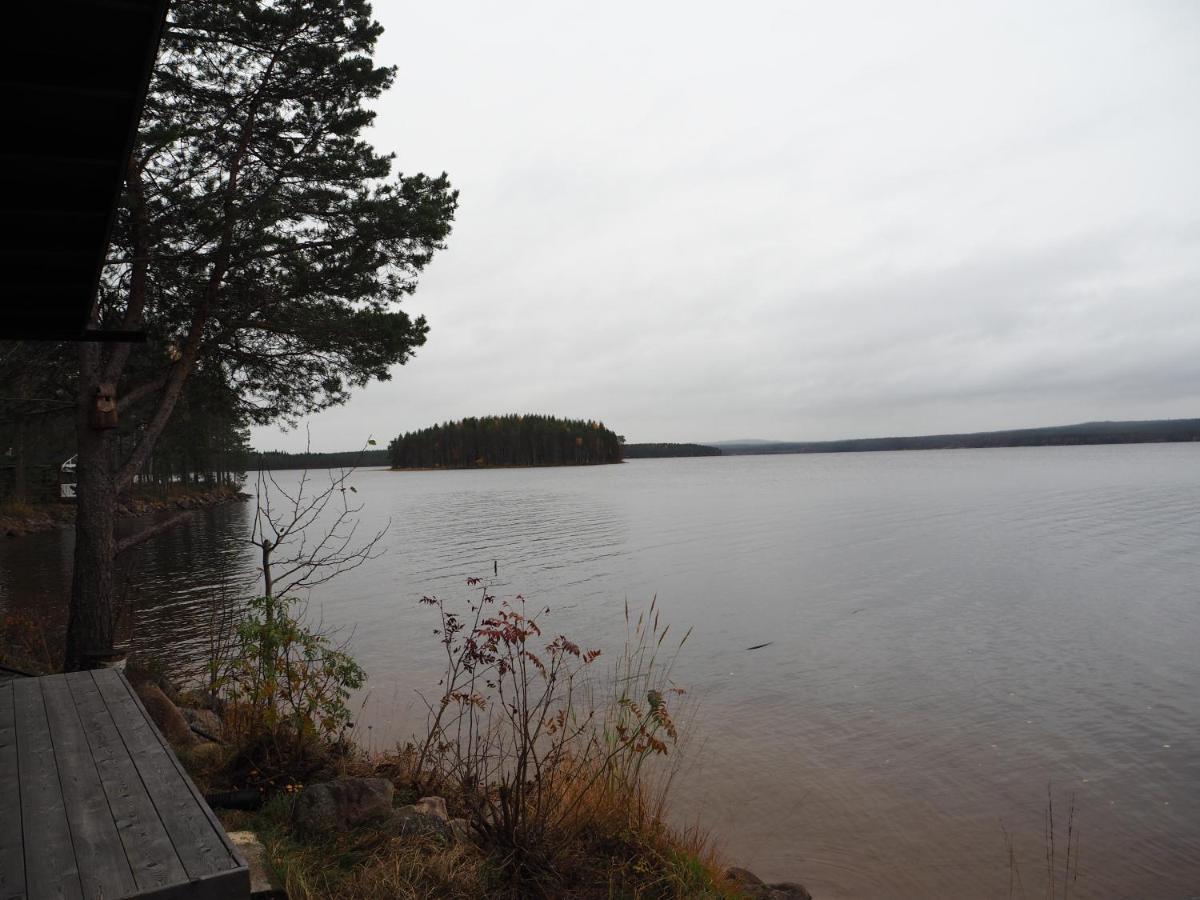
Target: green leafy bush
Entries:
(287, 683)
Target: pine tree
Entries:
(260, 234)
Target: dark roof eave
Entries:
(74, 76)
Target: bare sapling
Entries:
(283, 519)
(285, 680)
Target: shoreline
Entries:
(510, 466)
(48, 516)
(303, 810)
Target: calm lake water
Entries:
(950, 633)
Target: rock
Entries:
(743, 876)
(197, 698)
(428, 818)
(788, 890)
(204, 757)
(753, 887)
(433, 806)
(139, 672)
(343, 804)
(204, 722)
(166, 715)
(461, 830)
(412, 821)
(263, 885)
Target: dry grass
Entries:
(604, 859)
(367, 862)
(610, 847)
(378, 867)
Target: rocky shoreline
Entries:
(323, 809)
(57, 515)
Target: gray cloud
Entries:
(800, 221)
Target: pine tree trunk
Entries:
(92, 619)
(20, 489)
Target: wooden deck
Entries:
(94, 804)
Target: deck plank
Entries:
(50, 867)
(234, 851)
(12, 853)
(199, 846)
(104, 870)
(148, 847)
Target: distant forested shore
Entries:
(343, 459)
(662, 451)
(548, 441)
(279, 459)
(512, 440)
(1141, 432)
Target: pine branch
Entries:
(138, 275)
(191, 348)
(146, 533)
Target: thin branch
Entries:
(139, 277)
(146, 533)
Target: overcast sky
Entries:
(798, 220)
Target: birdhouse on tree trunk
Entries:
(104, 412)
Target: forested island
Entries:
(663, 451)
(1140, 432)
(512, 440)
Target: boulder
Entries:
(203, 722)
(139, 673)
(428, 818)
(433, 806)
(743, 877)
(343, 804)
(788, 890)
(460, 829)
(166, 715)
(413, 821)
(263, 884)
(754, 888)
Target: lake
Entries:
(950, 635)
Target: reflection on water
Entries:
(950, 631)
(171, 587)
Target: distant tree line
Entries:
(204, 444)
(346, 459)
(659, 451)
(512, 440)
(1150, 431)
(37, 419)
